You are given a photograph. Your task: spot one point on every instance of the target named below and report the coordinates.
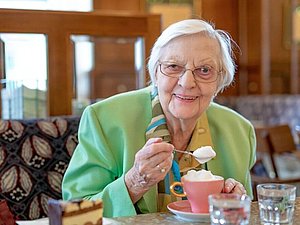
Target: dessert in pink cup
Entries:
(197, 186)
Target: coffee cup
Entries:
(197, 186)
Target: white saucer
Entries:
(182, 209)
(42, 221)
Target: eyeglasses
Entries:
(204, 73)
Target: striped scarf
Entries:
(158, 125)
(200, 137)
(158, 128)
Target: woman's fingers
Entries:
(153, 140)
(153, 153)
(143, 176)
(157, 171)
(154, 160)
(162, 165)
(233, 186)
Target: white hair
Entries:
(189, 27)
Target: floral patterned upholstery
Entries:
(34, 154)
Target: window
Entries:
(66, 5)
(23, 62)
(24, 82)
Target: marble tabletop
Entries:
(169, 218)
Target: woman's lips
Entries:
(185, 98)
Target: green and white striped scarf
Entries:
(158, 128)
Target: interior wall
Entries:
(263, 31)
(280, 47)
(254, 46)
(171, 13)
(224, 14)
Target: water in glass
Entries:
(275, 209)
(229, 211)
(276, 203)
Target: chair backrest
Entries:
(281, 139)
(262, 145)
(272, 141)
(263, 165)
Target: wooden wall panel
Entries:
(260, 28)
(280, 47)
(254, 40)
(225, 15)
(128, 5)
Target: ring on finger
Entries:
(162, 170)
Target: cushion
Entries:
(6, 217)
(34, 155)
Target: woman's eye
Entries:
(204, 69)
(174, 67)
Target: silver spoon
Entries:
(202, 159)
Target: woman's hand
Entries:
(151, 165)
(233, 186)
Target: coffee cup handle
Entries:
(174, 192)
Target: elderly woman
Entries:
(125, 154)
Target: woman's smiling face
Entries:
(185, 98)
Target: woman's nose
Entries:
(187, 79)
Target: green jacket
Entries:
(113, 130)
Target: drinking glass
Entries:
(276, 203)
(230, 209)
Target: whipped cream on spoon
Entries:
(202, 154)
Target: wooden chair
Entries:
(263, 165)
(272, 141)
(280, 140)
(262, 145)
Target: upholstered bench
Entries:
(34, 154)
